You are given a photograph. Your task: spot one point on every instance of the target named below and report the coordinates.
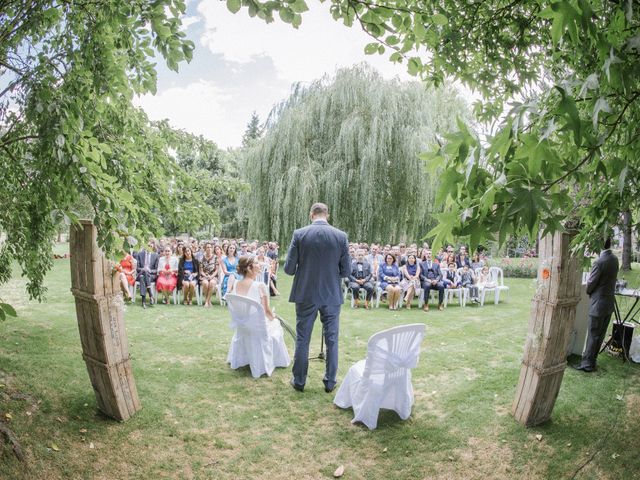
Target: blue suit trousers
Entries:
(305, 318)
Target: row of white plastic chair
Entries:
(462, 293)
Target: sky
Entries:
(241, 65)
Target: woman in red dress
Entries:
(127, 269)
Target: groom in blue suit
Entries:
(319, 258)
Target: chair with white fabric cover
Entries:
(253, 343)
(383, 379)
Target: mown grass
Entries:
(202, 420)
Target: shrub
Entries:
(516, 267)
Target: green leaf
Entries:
(439, 19)
(371, 48)
(8, 309)
(568, 109)
(3, 316)
(414, 66)
(233, 6)
(418, 30)
(286, 15)
(299, 6)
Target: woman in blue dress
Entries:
(389, 277)
(229, 265)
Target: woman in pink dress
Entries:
(167, 274)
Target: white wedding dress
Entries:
(262, 351)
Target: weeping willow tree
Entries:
(353, 142)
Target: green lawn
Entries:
(202, 420)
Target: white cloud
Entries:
(188, 21)
(319, 46)
(198, 108)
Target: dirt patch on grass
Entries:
(481, 459)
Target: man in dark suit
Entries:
(431, 277)
(319, 258)
(601, 286)
(361, 278)
(147, 271)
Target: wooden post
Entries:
(100, 313)
(552, 315)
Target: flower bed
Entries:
(516, 267)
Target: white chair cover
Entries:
(383, 379)
(253, 343)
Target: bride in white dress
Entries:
(250, 287)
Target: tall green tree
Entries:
(67, 126)
(352, 142)
(207, 196)
(560, 82)
(253, 131)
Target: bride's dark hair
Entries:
(244, 264)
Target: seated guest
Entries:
(180, 250)
(188, 268)
(468, 280)
(127, 274)
(273, 279)
(209, 273)
(485, 280)
(410, 279)
(402, 253)
(476, 261)
(395, 251)
(272, 251)
(229, 265)
(431, 277)
(265, 265)
(463, 259)
(244, 249)
(167, 274)
(448, 259)
(389, 277)
(360, 278)
(451, 278)
(147, 271)
(440, 256)
(375, 260)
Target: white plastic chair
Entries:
(133, 289)
(198, 295)
(362, 294)
(253, 343)
(383, 379)
(498, 275)
(483, 289)
(219, 293)
(450, 293)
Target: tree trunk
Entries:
(627, 244)
(100, 313)
(552, 316)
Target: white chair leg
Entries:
(497, 297)
(482, 292)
